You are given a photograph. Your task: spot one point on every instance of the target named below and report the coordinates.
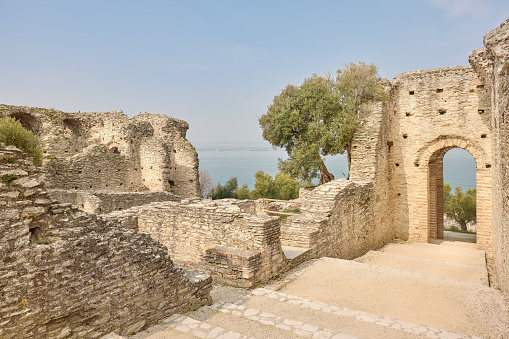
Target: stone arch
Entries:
(429, 164)
(442, 144)
(28, 121)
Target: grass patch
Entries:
(457, 229)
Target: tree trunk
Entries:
(349, 157)
(325, 175)
(463, 226)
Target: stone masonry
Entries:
(66, 273)
(215, 236)
(435, 111)
(109, 151)
(492, 65)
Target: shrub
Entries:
(13, 133)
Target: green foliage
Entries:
(243, 192)
(13, 133)
(8, 177)
(319, 118)
(460, 206)
(11, 160)
(282, 186)
(227, 191)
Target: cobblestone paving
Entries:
(201, 329)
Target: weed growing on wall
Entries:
(13, 133)
(8, 177)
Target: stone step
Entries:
(403, 295)
(336, 318)
(454, 246)
(438, 252)
(431, 267)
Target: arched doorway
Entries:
(429, 221)
(441, 172)
(459, 171)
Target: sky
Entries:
(218, 64)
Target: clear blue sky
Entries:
(218, 64)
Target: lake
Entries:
(459, 166)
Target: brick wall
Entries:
(433, 112)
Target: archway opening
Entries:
(447, 211)
(459, 177)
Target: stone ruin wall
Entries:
(109, 151)
(492, 65)
(68, 273)
(218, 237)
(99, 202)
(433, 112)
(347, 218)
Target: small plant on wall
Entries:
(9, 177)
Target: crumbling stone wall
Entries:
(347, 218)
(67, 273)
(492, 65)
(434, 111)
(212, 235)
(109, 151)
(98, 202)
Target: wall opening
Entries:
(28, 121)
(459, 168)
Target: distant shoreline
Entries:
(235, 149)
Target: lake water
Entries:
(459, 166)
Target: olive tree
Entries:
(460, 206)
(319, 118)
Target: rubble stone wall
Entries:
(109, 151)
(212, 235)
(492, 65)
(67, 273)
(107, 201)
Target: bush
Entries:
(227, 191)
(13, 133)
(282, 186)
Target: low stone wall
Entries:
(108, 201)
(337, 220)
(213, 235)
(67, 273)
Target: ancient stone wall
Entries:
(492, 65)
(433, 112)
(347, 218)
(109, 151)
(108, 201)
(67, 273)
(213, 235)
